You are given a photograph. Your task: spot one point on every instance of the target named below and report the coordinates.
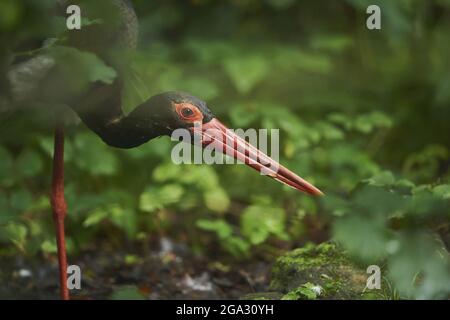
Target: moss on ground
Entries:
(316, 272)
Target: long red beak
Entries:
(215, 134)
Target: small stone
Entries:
(25, 273)
(201, 283)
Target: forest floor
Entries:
(167, 271)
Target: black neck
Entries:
(124, 132)
(101, 111)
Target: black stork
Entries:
(100, 110)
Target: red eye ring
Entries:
(188, 112)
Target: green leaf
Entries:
(442, 191)
(94, 217)
(307, 291)
(246, 71)
(379, 202)
(132, 259)
(219, 226)
(149, 201)
(157, 198)
(29, 163)
(385, 178)
(418, 268)
(341, 119)
(307, 205)
(204, 177)
(329, 131)
(167, 171)
(81, 67)
(127, 293)
(427, 203)
(404, 185)
(200, 86)
(97, 159)
(85, 22)
(313, 62)
(216, 200)
(333, 43)
(21, 200)
(426, 162)
(368, 122)
(338, 206)
(123, 218)
(16, 233)
(237, 246)
(258, 222)
(171, 193)
(49, 246)
(363, 237)
(363, 125)
(242, 116)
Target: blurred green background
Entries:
(363, 114)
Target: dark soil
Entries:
(169, 271)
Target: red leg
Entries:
(60, 208)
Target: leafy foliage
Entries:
(307, 291)
(384, 220)
(350, 105)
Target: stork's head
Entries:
(177, 110)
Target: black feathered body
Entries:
(111, 35)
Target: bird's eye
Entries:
(187, 112)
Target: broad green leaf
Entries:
(379, 202)
(95, 217)
(237, 246)
(382, 179)
(97, 159)
(429, 276)
(219, 226)
(242, 116)
(258, 222)
(167, 171)
(442, 191)
(16, 233)
(246, 71)
(363, 237)
(329, 131)
(49, 246)
(29, 163)
(157, 198)
(216, 200)
(123, 218)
